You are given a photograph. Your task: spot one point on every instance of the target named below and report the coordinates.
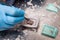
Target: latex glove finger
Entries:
(15, 12)
(13, 20)
(3, 25)
(12, 11)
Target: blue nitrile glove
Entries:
(10, 16)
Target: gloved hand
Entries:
(10, 16)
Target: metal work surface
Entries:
(48, 17)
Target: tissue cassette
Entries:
(49, 31)
(31, 23)
(51, 7)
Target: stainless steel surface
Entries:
(48, 17)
